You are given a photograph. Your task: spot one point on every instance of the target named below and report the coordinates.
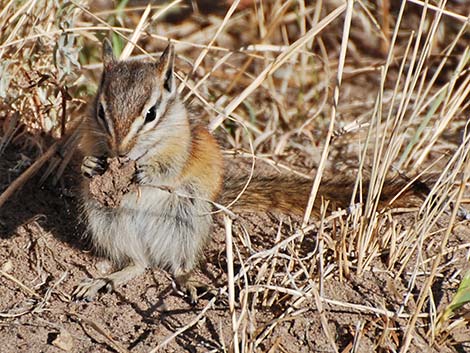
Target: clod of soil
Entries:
(110, 187)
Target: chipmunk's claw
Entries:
(191, 290)
(92, 166)
(89, 288)
(142, 174)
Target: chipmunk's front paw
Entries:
(89, 288)
(92, 166)
(143, 173)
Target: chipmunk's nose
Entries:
(122, 153)
(122, 149)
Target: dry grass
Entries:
(310, 87)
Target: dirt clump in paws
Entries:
(118, 179)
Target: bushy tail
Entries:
(289, 193)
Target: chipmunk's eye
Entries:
(151, 114)
(102, 118)
(101, 113)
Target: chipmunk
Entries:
(138, 114)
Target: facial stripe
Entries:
(103, 119)
(139, 123)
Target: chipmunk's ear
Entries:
(108, 56)
(165, 69)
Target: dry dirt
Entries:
(44, 249)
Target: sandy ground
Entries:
(44, 255)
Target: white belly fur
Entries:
(158, 228)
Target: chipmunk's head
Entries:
(137, 106)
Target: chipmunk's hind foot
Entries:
(89, 288)
(194, 289)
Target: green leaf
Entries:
(461, 297)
